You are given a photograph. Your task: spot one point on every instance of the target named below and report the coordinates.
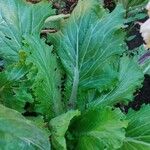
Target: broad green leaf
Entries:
(17, 18)
(18, 133)
(99, 129)
(138, 131)
(47, 78)
(59, 127)
(130, 79)
(88, 41)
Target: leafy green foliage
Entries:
(83, 47)
(134, 9)
(71, 88)
(39, 70)
(14, 89)
(100, 128)
(131, 3)
(16, 132)
(138, 131)
(18, 18)
(126, 85)
(47, 79)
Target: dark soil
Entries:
(61, 6)
(1, 65)
(138, 40)
(143, 96)
(33, 1)
(109, 4)
(134, 30)
(65, 6)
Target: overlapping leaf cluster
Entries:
(89, 50)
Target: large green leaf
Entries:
(130, 79)
(18, 133)
(90, 38)
(99, 129)
(59, 127)
(138, 131)
(17, 17)
(46, 74)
